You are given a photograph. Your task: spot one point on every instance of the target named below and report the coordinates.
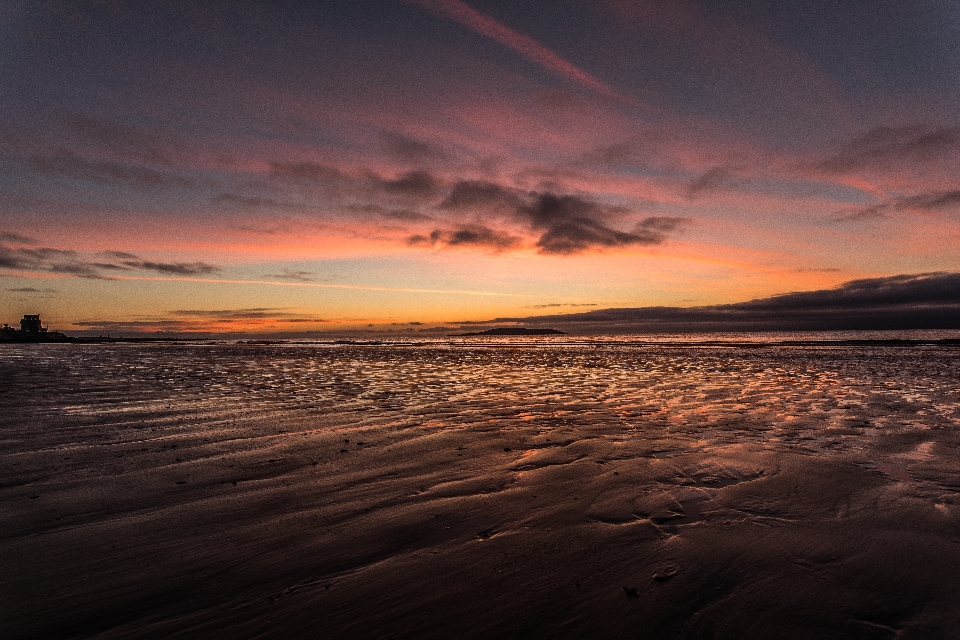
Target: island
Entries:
(513, 331)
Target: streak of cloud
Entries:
(130, 261)
(526, 46)
(31, 290)
(293, 276)
(893, 146)
(70, 262)
(923, 202)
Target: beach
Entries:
(465, 489)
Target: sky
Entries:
(297, 167)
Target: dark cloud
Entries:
(468, 236)
(305, 171)
(42, 259)
(31, 290)
(566, 224)
(570, 224)
(405, 148)
(174, 268)
(473, 195)
(712, 180)
(67, 261)
(73, 166)
(294, 276)
(79, 269)
(920, 301)
(405, 215)
(932, 201)
(120, 255)
(414, 183)
(109, 266)
(893, 146)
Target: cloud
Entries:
(415, 183)
(43, 259)
(403, 215)
(305, 171)
(468, 236)
(891, 146)
(73, 166)
(566, 224)
(571, 224)
(294, 276)
(175, 268)
(524, 45)
(31, 290)
(120, 255)
(129, 261)
(67, 261)
(472, 195)
(79, 269)
(409, 149)
(909, 301)
(712, 180)
(245, 316)
(931, 201)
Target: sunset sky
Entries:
(313, 166)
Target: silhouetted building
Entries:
(31, 324)
(31, 331)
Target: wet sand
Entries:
(517, 491)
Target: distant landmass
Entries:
(902, 302)
(514, 331)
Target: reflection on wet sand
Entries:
(527, 491)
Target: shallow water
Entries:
(191, 445)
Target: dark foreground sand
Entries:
(357, 492)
